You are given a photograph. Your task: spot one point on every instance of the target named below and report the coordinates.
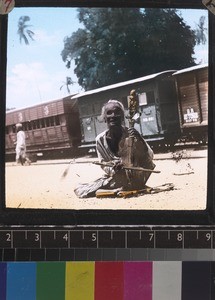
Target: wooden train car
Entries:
(52, 125)
(192, 90)
(158, 108)
(173, 106)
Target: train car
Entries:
(173, 106)
(158, 121)
(192, 90)
(49, 126)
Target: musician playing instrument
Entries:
(112, 145)
(115, 150)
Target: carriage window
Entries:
(24, 125)
(52, 121)
(47, 121)
(150, 97)
(62, 120)
(42, 123)
(57, 120)
(34, 125)
(29, 126)
(142, 99)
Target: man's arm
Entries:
(103, 156)
(134, 133)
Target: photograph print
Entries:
(107, 109)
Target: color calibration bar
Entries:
(107, 280)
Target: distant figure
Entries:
(21, 146)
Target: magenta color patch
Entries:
(138, 280)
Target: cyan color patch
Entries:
(21, 281)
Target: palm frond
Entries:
(23, 31)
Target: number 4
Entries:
(65, 237)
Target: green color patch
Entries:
(50, 282)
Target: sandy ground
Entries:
(40, 185)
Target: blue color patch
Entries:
(21, 281)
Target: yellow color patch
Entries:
(79, 283)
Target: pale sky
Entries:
(36, 72)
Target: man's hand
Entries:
(118, 165)
(132, 132)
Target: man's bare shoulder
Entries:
(101, 135)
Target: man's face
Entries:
(113, 115)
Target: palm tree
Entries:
(23, 31)
(200, 32)
(68, 82)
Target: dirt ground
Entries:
(40, 185)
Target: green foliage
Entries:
(169, 42)
(118, 44)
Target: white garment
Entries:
(20, 145)
(106, 155)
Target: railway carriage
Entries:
(173, 106)
(192, 91)
(158, 109)
(52, 125)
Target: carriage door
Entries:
(88, 128)
(148, 120)
(100, 124)
(87, 121)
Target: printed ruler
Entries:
(70, 238)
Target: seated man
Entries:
(119, 149)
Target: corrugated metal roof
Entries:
(116, 85)
(191, 69)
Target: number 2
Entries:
(8, 237)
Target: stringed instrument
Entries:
(133, 149)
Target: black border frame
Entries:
(11, 216)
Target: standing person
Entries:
(112, 149)
(21, 145)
